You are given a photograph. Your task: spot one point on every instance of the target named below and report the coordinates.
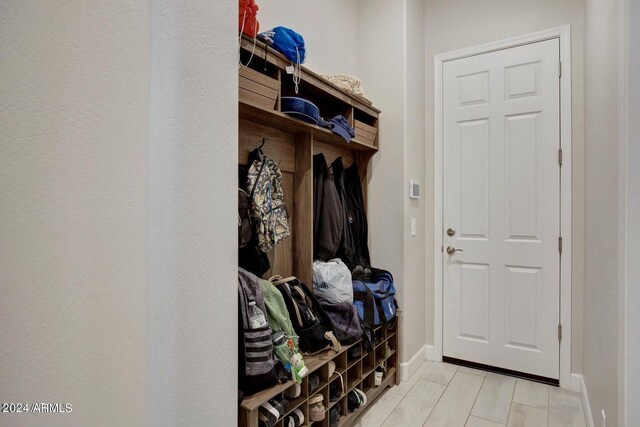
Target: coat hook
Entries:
(262, 145)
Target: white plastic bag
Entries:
(332, 281)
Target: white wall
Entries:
(328, 28)
(116, 294)
(191, 370)
(633, 230)
(391, 66)
(452, 25)
(73, 163)
(414, 336)
(601, 208)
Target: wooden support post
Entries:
(303, 209)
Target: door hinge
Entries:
(560, 244)
(560, 156)
(559, 332)
(560, 69)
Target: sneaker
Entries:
(314, 382)
(335, 391)
(354, 352)
(294, 419)
(269, 413)
(334, 416)
(332, 367)
(316, 408)
(378, 376)
(293, 392)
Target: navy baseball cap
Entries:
(340, 126)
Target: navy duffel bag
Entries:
(375, 299)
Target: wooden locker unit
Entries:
(292, 143)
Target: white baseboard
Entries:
(578, 385)
(429, 352)
(407, 369)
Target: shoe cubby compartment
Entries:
(350, 351)
(341, 362)
(354, 375)
(368, 382)
(378, 336)
(368, 363)
(342, 393)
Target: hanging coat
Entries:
(346, 248)
(328, 222)
(356, 211)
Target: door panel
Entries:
(502, 197)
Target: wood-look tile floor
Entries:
(440, 394)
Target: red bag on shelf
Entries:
(249, 18)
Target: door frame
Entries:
(562, 33)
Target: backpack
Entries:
(245, 225)
(374, 299)
(256, 360)
(277, 312)
(313, 326)
(264, 184)
(345, 320)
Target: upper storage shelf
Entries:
(265, 81)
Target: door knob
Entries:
(451, 250)
(451, 232)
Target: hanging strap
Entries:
(278, 280)
(335, 344)
(240, 64)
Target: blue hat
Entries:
(341, 126)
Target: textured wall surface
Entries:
(117, 202)
(601, 208)
(381, 62)
(74, 96)
(415, 277)
(192, 294)
(328, 28)
(452, 25)
(633, 160)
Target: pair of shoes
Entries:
(356, 399)
(379, 374)
(316, 408)
(294, 419)
(332, 368)
(314, 382)
(269, 413)
(334, 416)
(293, 392)
(354, 352)
(336, 389)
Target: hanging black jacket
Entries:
(357, 216)
(346, 248)
(328, 218)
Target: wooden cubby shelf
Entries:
(292, 143)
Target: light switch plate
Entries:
(414, 227)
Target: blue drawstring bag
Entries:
(289, 43)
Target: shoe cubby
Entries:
(341, 362)
(368, 363)
(350, 352)
(354, 375)
(292, 143)
(368, 382)
(378, 336)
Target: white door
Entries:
(502, 204)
